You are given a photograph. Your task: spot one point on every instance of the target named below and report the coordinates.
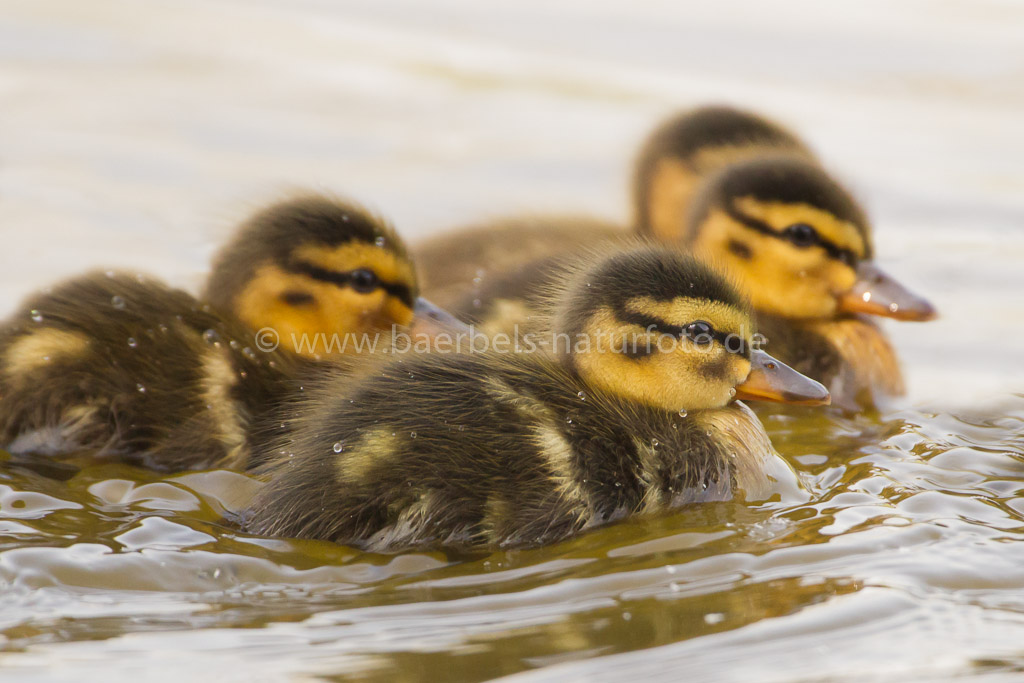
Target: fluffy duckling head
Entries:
(316, 265)
(795, 241)
(685, 148)
(658, 327)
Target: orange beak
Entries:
(772, 380)
(876, 293)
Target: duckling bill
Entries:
(519, 449)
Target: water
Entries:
(136, 135)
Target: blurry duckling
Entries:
(747, 195)
(127, 367)
(633, 413)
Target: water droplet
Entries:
(249, 353)
(36, 315)
(345, 218)
(380, 241)
(655, 443)
(211, 337)
(568, 420)
(894, 307)
(234, 344)
(713, 618)
(683, 413)
(675, 425)
(477, 303)
(732, 392)
(141, 388)
(117, 302)
(626, 616)
(338, 446)
(477, 280)
(462, 428)
(412, 435)
(582, 395)
(618, 484)
(132, 342)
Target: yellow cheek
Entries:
(397, 313)
(777, 277)
(333, 312)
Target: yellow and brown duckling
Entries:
(634, 413)
(124, 366)
(746, 195)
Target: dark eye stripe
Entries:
(833, 250)
(649, 322)
(344, 279)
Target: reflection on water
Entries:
(911, 543)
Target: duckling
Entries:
(744, 193)
(632, 413)
(128, 367)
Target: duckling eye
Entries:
(700, 332)
(364, 281)
(801, 234)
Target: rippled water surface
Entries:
(137, 133)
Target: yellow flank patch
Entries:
(683, 310)
(218, 380)
(375, 448)
(354, 255)
(672, 185)
(557, 454)
(39, 348)
(781, 215)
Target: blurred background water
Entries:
(137, 133)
